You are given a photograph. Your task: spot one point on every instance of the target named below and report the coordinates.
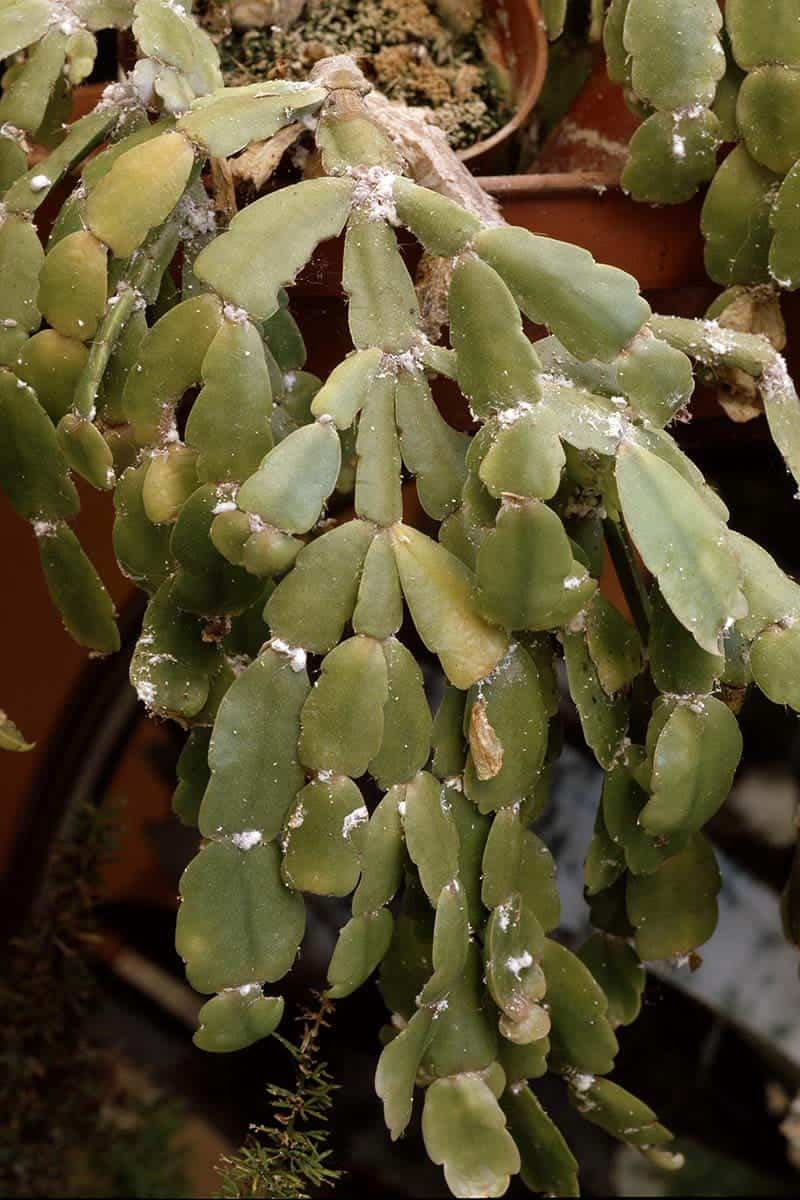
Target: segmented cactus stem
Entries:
(268, 515)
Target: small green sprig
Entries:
(290, 1157)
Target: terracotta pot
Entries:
(517, 43)
(85, 97)
(518, 33)
(662, 247)
(576, 194)
(594, 134)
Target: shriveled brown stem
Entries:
(260, 160)
(224, 188)
(430, 159)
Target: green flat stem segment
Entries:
(77, 591)
(708, 343)
(31, 191)
(141, 277)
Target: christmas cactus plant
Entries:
(153, 353)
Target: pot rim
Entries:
(537, 52)
(524, 187)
